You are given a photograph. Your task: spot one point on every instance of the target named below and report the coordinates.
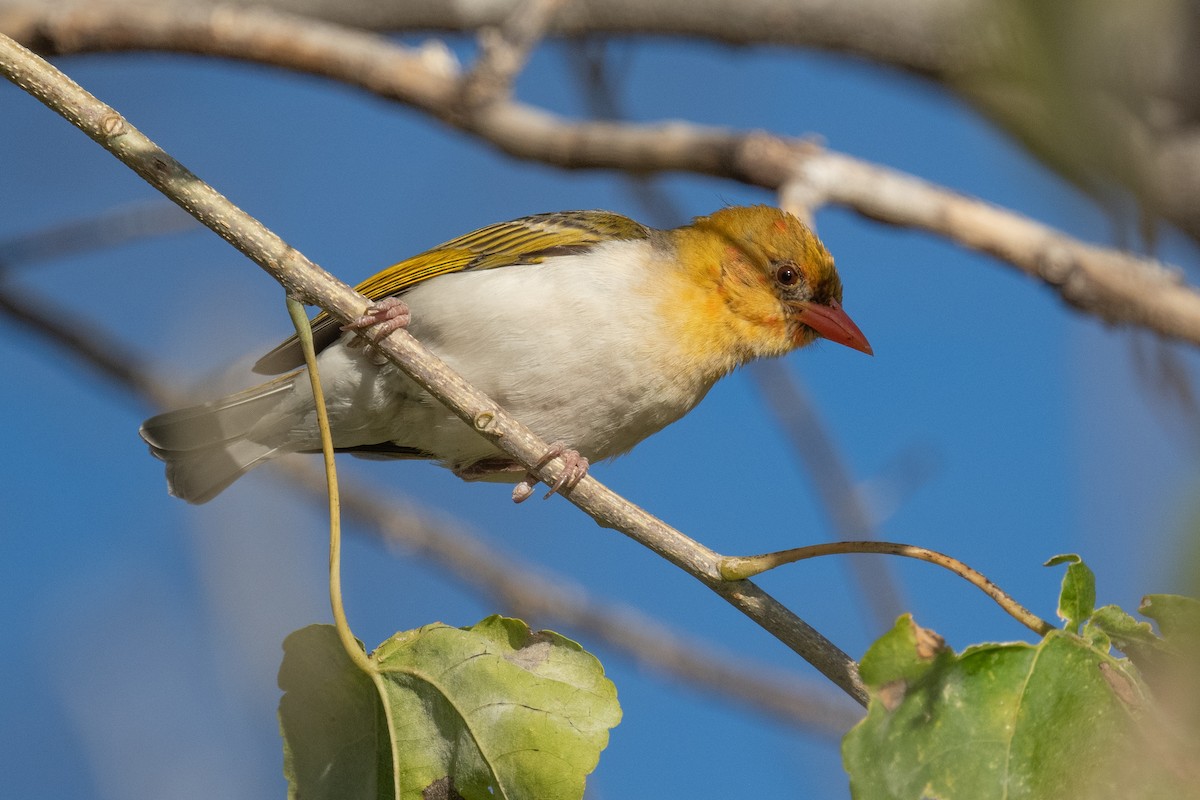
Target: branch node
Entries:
(1057, 265)
(112, 125)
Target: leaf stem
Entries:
(735, 568)
(353, 649)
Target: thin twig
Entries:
(599, 90)
(504, 51)
(830, 476)
(738, 567)
(304, 279)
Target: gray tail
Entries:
(208, 447)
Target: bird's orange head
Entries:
(760, 284)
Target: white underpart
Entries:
(574, 350)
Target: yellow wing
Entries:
(528, 240)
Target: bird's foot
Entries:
(575, 467)
(389, 314)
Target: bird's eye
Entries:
(787, 274)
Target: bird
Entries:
(592, 329)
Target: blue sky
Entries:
(143, 635)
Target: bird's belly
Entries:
(601, 408)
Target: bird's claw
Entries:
(390, 314)
(574, 468)
(524, 490)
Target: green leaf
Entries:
(335, 739)
(905, 653)
(1178, 617)
(1174, 674)
(1077, 599)
(1133, 638)
(483, 712)
(1060, 719)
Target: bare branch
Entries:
(304, 279)
(114, 227)
(591, 63)
(1070, 82)
(929, 37)
(504, 50)
(1117, 287)
(114, 363)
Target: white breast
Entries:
(573, 347)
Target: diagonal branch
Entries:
(1117, 287)
(303, 279)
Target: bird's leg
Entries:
(390, 314)
(574, 468)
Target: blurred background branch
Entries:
(1118, 287)
(1101, 90)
